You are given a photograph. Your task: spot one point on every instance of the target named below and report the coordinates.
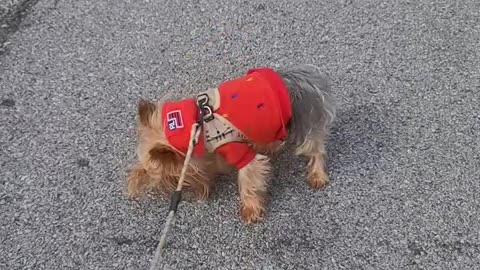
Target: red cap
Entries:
(177, 120)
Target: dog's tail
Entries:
(313, 106)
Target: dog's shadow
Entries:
(359, 138)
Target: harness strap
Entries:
(218, 130)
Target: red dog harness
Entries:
(253, 109)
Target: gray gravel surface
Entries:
(404, 155)
(7, 6)
(11, 14)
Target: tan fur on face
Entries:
(159, 165)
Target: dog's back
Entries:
(313, 106)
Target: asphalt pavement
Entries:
(403, 155)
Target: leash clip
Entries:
(206, 111)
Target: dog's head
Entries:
(159, 164)
(154, 151)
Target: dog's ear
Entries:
(145, 111)
(163, 154)
(138, 180)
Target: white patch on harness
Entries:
(174, 120)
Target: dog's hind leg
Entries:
(314, 109)
(313, 149)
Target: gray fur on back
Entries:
(313, 106)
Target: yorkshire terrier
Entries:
(245, 122)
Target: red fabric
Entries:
(278, 86)
(178, 135)
(236, 153)
(257, 104)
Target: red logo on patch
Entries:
(174, 120)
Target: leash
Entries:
(176, 196)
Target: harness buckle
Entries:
(206, 111)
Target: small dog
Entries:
(254, 117)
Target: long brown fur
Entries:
(158, 166)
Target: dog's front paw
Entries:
(252, 214)
(318, 180)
